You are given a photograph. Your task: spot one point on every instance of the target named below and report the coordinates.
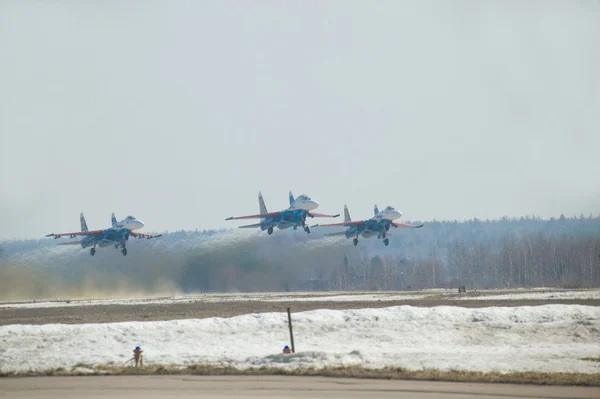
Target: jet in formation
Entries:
(295, 216)
(115, 235)
(379, 225)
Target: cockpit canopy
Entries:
(130, 217)
(389, 208)
(304, 197)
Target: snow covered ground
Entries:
(347, 298)
(581, 294)
(316, 296)
(540, 338)
(217, 298)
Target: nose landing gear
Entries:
(93, 251)
(386, 241)
(355, 241)
(270, 231)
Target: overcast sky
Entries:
(179, 112)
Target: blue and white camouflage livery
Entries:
(295, 216)
(379, 225)
(116, 235)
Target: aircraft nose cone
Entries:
(138, 224)
(313, 204)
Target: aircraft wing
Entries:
(76, 233)
(144, 235)
(399, 224)
(249, 226)
(322, 215)
(260, 215)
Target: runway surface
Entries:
(148, 387)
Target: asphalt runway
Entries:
(149, 387)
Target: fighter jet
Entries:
(379, 225)
(115, 235)
(295, 216)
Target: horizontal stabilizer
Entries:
(249, 226)
(342, 224)
(259, 216)
(339, 233)
(71, 243)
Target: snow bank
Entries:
(346, 298)
(542, 338)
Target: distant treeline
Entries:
(522, 252)
(509, 252)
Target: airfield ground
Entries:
(455, 341)
(134, 387)
(83, 311)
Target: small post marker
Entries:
(291, 332)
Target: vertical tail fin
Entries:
(346, 214)
(83, 223)
(375, 210)
(292, 200)
(113, 219)
(261, 204)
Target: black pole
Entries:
(291, 333)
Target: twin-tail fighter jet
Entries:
(294, 216)
(379, 225)
(116, 235)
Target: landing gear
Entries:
(123, 250)
(270, 231)
(386, 241)
(355, 241)
(93, 251)
(307, 229)
(116, 246)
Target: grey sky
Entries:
(179, 112)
